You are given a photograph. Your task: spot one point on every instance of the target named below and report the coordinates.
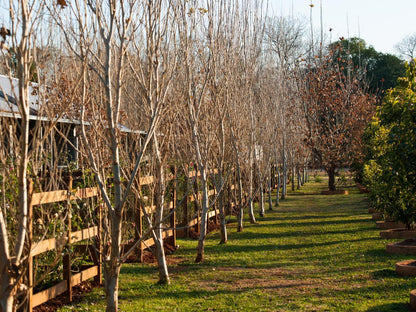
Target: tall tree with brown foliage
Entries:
(337, 108)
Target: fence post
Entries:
(97, 252)
(67, 256)
(30, 259)
(67, 275)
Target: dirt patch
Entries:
(149, 255)
(276, 284)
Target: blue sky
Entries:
(381, 23)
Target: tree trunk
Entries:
(278, 187)
(223, 222)
(261, 200)
(6, 302)
(6, 283)
(160, 201)
(161, 259)
(284, 184)
(251, 199)
(251, 211)
(270, 193)
(204, 216)
(111, 275)
(331, 177)
(293, 177)
(240, 216)
(6, 297)
(112, 267)
(304, 175)
(160, 252)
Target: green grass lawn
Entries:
(312, 253)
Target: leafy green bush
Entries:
(391, 137)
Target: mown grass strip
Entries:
(312, 253)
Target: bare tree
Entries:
(103, 35)
(285, 42)
(407, 46)
(196, 68)
(23, 16)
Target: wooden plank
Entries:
(171, 205)
(88, 233)
(213, 213)
(150, 209)
(48, 294)
(150, 179)
(63, 195)
(84, 193)
(150, 242)
(146, 180)
(49, 197)
(167, 233)
(193, 222)
(84, 275)
(192, 174)
(48, 244)
(53, 243)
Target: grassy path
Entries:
(312, 253)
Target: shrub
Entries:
(390, 172)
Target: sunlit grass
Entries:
(312, 253)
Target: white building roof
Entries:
(9, 92)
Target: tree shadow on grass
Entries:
(211, 289)
(380, 255)
(281, 217)
(249, 235)
(276, 246)
(384, 274)
(310, 223)
(396, 307)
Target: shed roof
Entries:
(8, 105)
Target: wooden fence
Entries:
(93, 233)
(43, 246)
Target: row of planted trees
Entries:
(212, 85)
